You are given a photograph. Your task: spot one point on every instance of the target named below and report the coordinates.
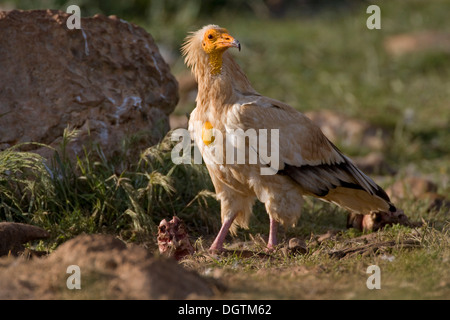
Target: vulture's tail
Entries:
(343, 184)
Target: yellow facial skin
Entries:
(215, 42)
(207, 133)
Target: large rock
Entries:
(106, 79)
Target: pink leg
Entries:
(272, 243)
(218, 242)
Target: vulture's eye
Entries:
(210, 36)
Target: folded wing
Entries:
(309, 158)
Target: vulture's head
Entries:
(216, 40)
(208, 45)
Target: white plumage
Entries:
(309, 164)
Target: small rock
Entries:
(14, 235)
(330, 234)
(188, 89)
(178, 122)
(107, 80)
(297, 246)
(410, 188)
(437, 201)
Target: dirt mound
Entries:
(107, 79)
(14, 235)
(109, 269)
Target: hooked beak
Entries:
(228, 41)
(238, 45)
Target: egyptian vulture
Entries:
(296, 159)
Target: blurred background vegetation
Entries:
(312, 54)
(318, 54)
